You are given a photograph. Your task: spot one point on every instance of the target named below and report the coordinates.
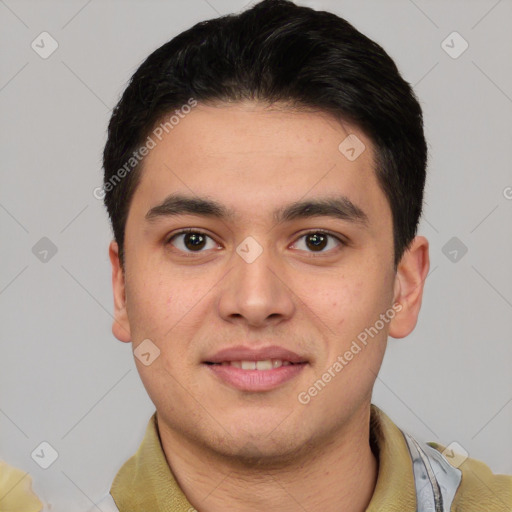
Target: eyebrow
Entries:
(339, 207)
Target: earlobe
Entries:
(120, 325)
(408, 290)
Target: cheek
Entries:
(338, 299)
(163, 306)
(149, 301)
(350, 306)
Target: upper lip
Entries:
(244, 353)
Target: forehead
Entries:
(248, 157)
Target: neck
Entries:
(337, 474)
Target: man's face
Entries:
(250, 281)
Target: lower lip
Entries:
(256, 380)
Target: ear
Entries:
(120, 326)
(409, 281)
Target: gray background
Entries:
(66, 380)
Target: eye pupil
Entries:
(197, 240)
(318, 240)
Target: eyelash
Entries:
(311, 232)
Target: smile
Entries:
(264, 364)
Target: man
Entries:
(264, 177)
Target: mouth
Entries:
(262, 365)
(248, 368)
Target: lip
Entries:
(244, 353)
(255, 380)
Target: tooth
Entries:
(264, 365)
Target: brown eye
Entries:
(191, 241)
(317, 241)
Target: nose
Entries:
(256, 292)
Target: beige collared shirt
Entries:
(145, 482)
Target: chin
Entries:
(263, 454)
(266, 446)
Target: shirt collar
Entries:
(145, 480)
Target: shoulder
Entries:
(479, 486)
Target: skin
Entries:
(239, 450)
